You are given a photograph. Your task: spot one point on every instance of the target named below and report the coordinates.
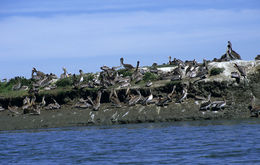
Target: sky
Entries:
(87, 34)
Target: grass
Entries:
(125, 72)
(216, 71)
(150, 76)
(6, 87)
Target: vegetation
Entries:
(64, 82)
(216, 71)
(6, 87)
(89, 77)
(150, 76)
(125, 72)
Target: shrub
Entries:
(150, 76)
(89, 77)
(216, 71)
(125, 72)
(64, 82)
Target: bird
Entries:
(96, 103)
(53, 106)
(113, 97)
(149, 83)
(1, 108)
(162, 101)
(148, 99)
(64, 74)
(126, 66)
(205, 105)
(13, 109)
(241, 70)
(217, 105)
(254, 110)
(135, 99)
(26, 103)
(43, 103)
(184, 94)
(81, 76)
(170, 95)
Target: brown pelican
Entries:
(13, 109)
(257, 57)
(135, 74)
(170, 60)
(171, 95)
(53, 106)
(236, 76)
(205, 105)
(26, 103)
(114, 98)
(135, 99)
(81, 76)
(64, 74)
(17, 86)
(1, 108)
(149, 83)
(96, 103)
(184, 94)
(163, 101)
(105, 68)
(126, 66)
(82, 104)
(39, 74)
(217, 105)
(254, 110)
(241, 70)
(148, 99)
(43, 103)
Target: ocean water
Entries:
(194, 142)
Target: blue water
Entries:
(204, 142)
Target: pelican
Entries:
(205, 105)
(241, 70)
(114, 98)
(39, 74)
(126, 66)
(135, 99)
(13, 109)
(149, 83)
(96, 103)
(43, 103)
(170, 95)
(81, 76)
(184, 94)
(82, 104)
(17, 86)
(216, 105)
(236, 76)
(53, 106)
(64, 74)
(254, 110)
(148, 99)
(1, 108)
(162, 101)
(26, 103)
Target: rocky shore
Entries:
(238, 100)
(224, 88)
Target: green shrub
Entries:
(89, 77)
(125, 72)
(150, 76)
(216, 71)
(64, 82)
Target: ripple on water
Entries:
(225, 142)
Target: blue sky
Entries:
(86, 34)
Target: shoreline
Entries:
(236, 96)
